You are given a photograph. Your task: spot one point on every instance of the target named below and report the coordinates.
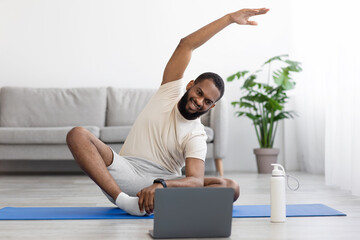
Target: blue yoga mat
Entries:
(72, 213)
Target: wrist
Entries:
(158, 185)
(161, 182)
(229, 17)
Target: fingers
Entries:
(141, 201)
(252, 23)
(149, 204)
(146, 201)
(253, 12)
(242, 16)
(259, 11)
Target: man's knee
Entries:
(74, 134)
(234, 185)
(224, 182)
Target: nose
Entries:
(199, 102)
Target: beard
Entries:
(185, 113)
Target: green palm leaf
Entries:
(264, 103)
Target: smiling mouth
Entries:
(193, 106)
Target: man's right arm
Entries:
(180, 59)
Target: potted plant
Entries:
(263, 104)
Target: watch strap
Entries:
(161, 181)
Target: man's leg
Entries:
(223, 182)
(93, 156)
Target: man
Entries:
(166, 135)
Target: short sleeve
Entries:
(171, 90)
(196, 147)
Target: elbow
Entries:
(183, 41)
(185, 44)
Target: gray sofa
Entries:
(34, 121)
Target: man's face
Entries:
(198, 99)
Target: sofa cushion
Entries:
(205, 119)
(124, 105)
(116, 134)
(52, 107)
(48, 135)
(210, 134)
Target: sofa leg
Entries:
(219, 166)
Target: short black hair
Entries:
(217, 80)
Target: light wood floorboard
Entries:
(79, 190)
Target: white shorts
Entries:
(132, 174)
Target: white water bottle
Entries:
(277, 194)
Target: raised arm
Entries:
(180, 59)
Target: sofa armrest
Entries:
(219, 123)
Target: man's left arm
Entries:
(180, 59)
(194, 170)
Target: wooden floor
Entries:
(78, 190)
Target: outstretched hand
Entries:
(242, 16)
(146, 198)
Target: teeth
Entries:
(196, 107)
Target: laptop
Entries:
(192, 212)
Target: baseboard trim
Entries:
(39, 166)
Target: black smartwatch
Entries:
(162, 181)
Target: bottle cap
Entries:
(276, 171)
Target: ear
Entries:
(212, 106)
(190, 85)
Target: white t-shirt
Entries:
(162, 135)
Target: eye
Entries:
(208, 102)
(199, 92)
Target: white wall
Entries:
(77, 43)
